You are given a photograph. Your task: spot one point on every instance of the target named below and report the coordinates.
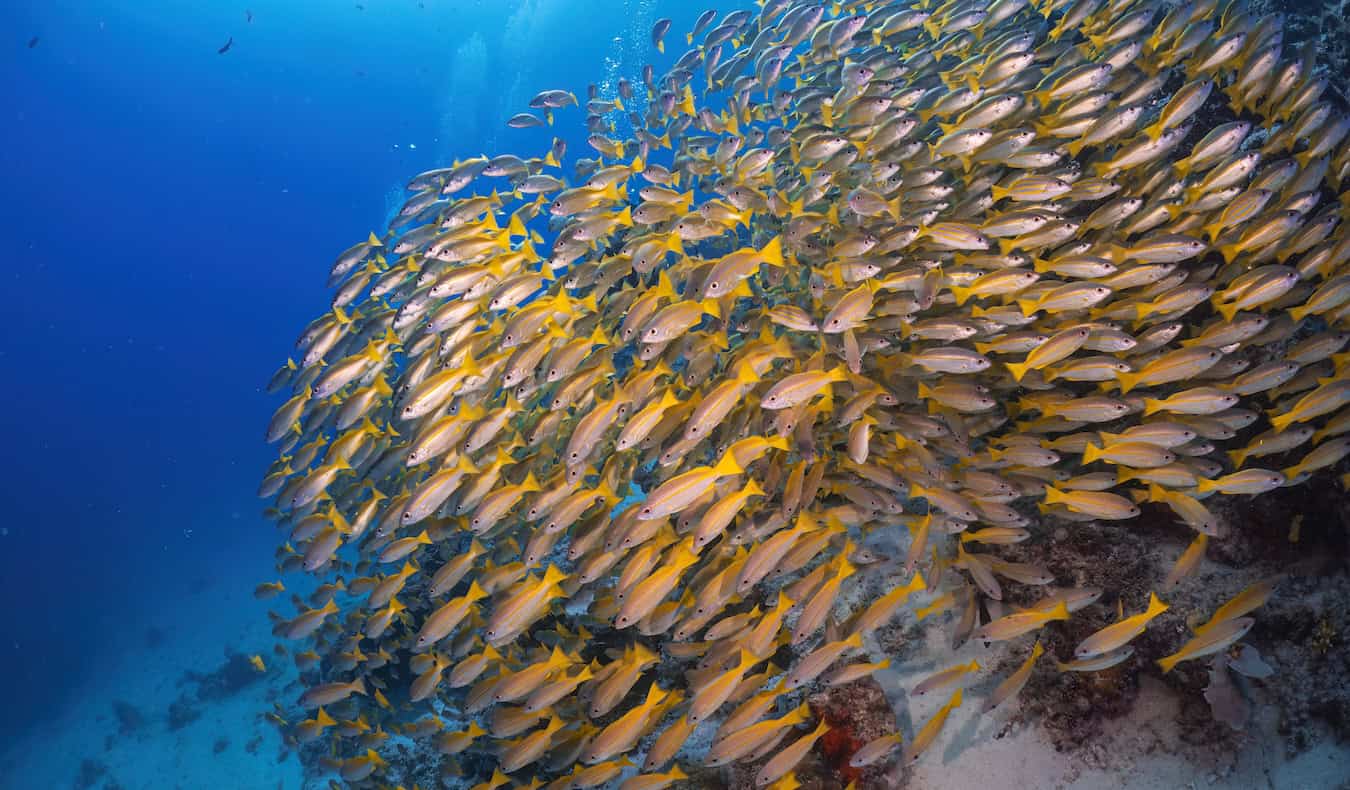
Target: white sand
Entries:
(1139, 751)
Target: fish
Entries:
(1097, 663)
(874, 750)
(1014, 683)
(783, 762)
(595, 409)
(1220, 637)
(229, 42)
(1249, 600)
(1115, 636)
(747, 739)
(945, 678)
(654, 781)
(1099, 504)
(884, 608)
(1011, 626)
(659, 29)
(1187, 562)
(930, 729)
(329, 693)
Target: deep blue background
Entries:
(169, 215)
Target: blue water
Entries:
(169, 216)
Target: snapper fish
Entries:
(570, 422)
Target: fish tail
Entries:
(727, 467)
(1091, 453)
(1226, 310)
(1017, 369)
(772, 251)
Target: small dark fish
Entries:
(360, 7)
(32, 42)
(227, 46)
(248, 15)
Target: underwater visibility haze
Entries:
(786, 394)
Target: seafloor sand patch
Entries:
(145, 723)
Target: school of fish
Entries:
(586, 458)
